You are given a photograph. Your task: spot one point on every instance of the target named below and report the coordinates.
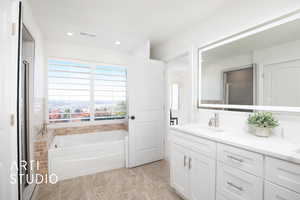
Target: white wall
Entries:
(235, 18)
(85, 53)
(142, 51)
(39, 65)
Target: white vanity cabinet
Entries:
(283, 173)
(241, 159)
(201, 177)
(235, 184)
(179, 172)
(205, 169)
(274, 192)
(192, 173)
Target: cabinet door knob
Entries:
(132, 117)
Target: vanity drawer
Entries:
(274, 192)
(283, 173)
(234, 184)
(203, 146)
(241, 159)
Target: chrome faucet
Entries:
(214, 121)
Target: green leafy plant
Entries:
(263, 120)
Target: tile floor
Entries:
(148, 182)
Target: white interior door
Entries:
(146, 111)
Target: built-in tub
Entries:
(76, 155)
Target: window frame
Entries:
(92, 120)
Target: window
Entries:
(85, 91)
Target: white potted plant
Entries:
(262, 123)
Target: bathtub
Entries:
(83, 154)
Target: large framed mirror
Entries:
(256, 70)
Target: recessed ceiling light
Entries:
(117, 42)
(87, 34)
(69, 33)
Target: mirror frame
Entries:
(248, 32)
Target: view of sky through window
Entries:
(85, 92)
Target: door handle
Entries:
(184, 161)
(235, 186)
(190, 163)
(132, 117)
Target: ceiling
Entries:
(281, 34)
(180, 63)
(132, 22)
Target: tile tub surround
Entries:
(39, 138)
(273, 146)
(41, 146)
(41, 155)
(148, 182)
(42, 142)
(89, 129)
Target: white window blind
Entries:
(85, 91)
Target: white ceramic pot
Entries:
(263, 132)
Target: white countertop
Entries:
(273, 146)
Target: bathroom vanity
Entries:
(253, 71)
(210, 163)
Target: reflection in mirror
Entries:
(179, 84)
(174, 97)
(262, 69)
